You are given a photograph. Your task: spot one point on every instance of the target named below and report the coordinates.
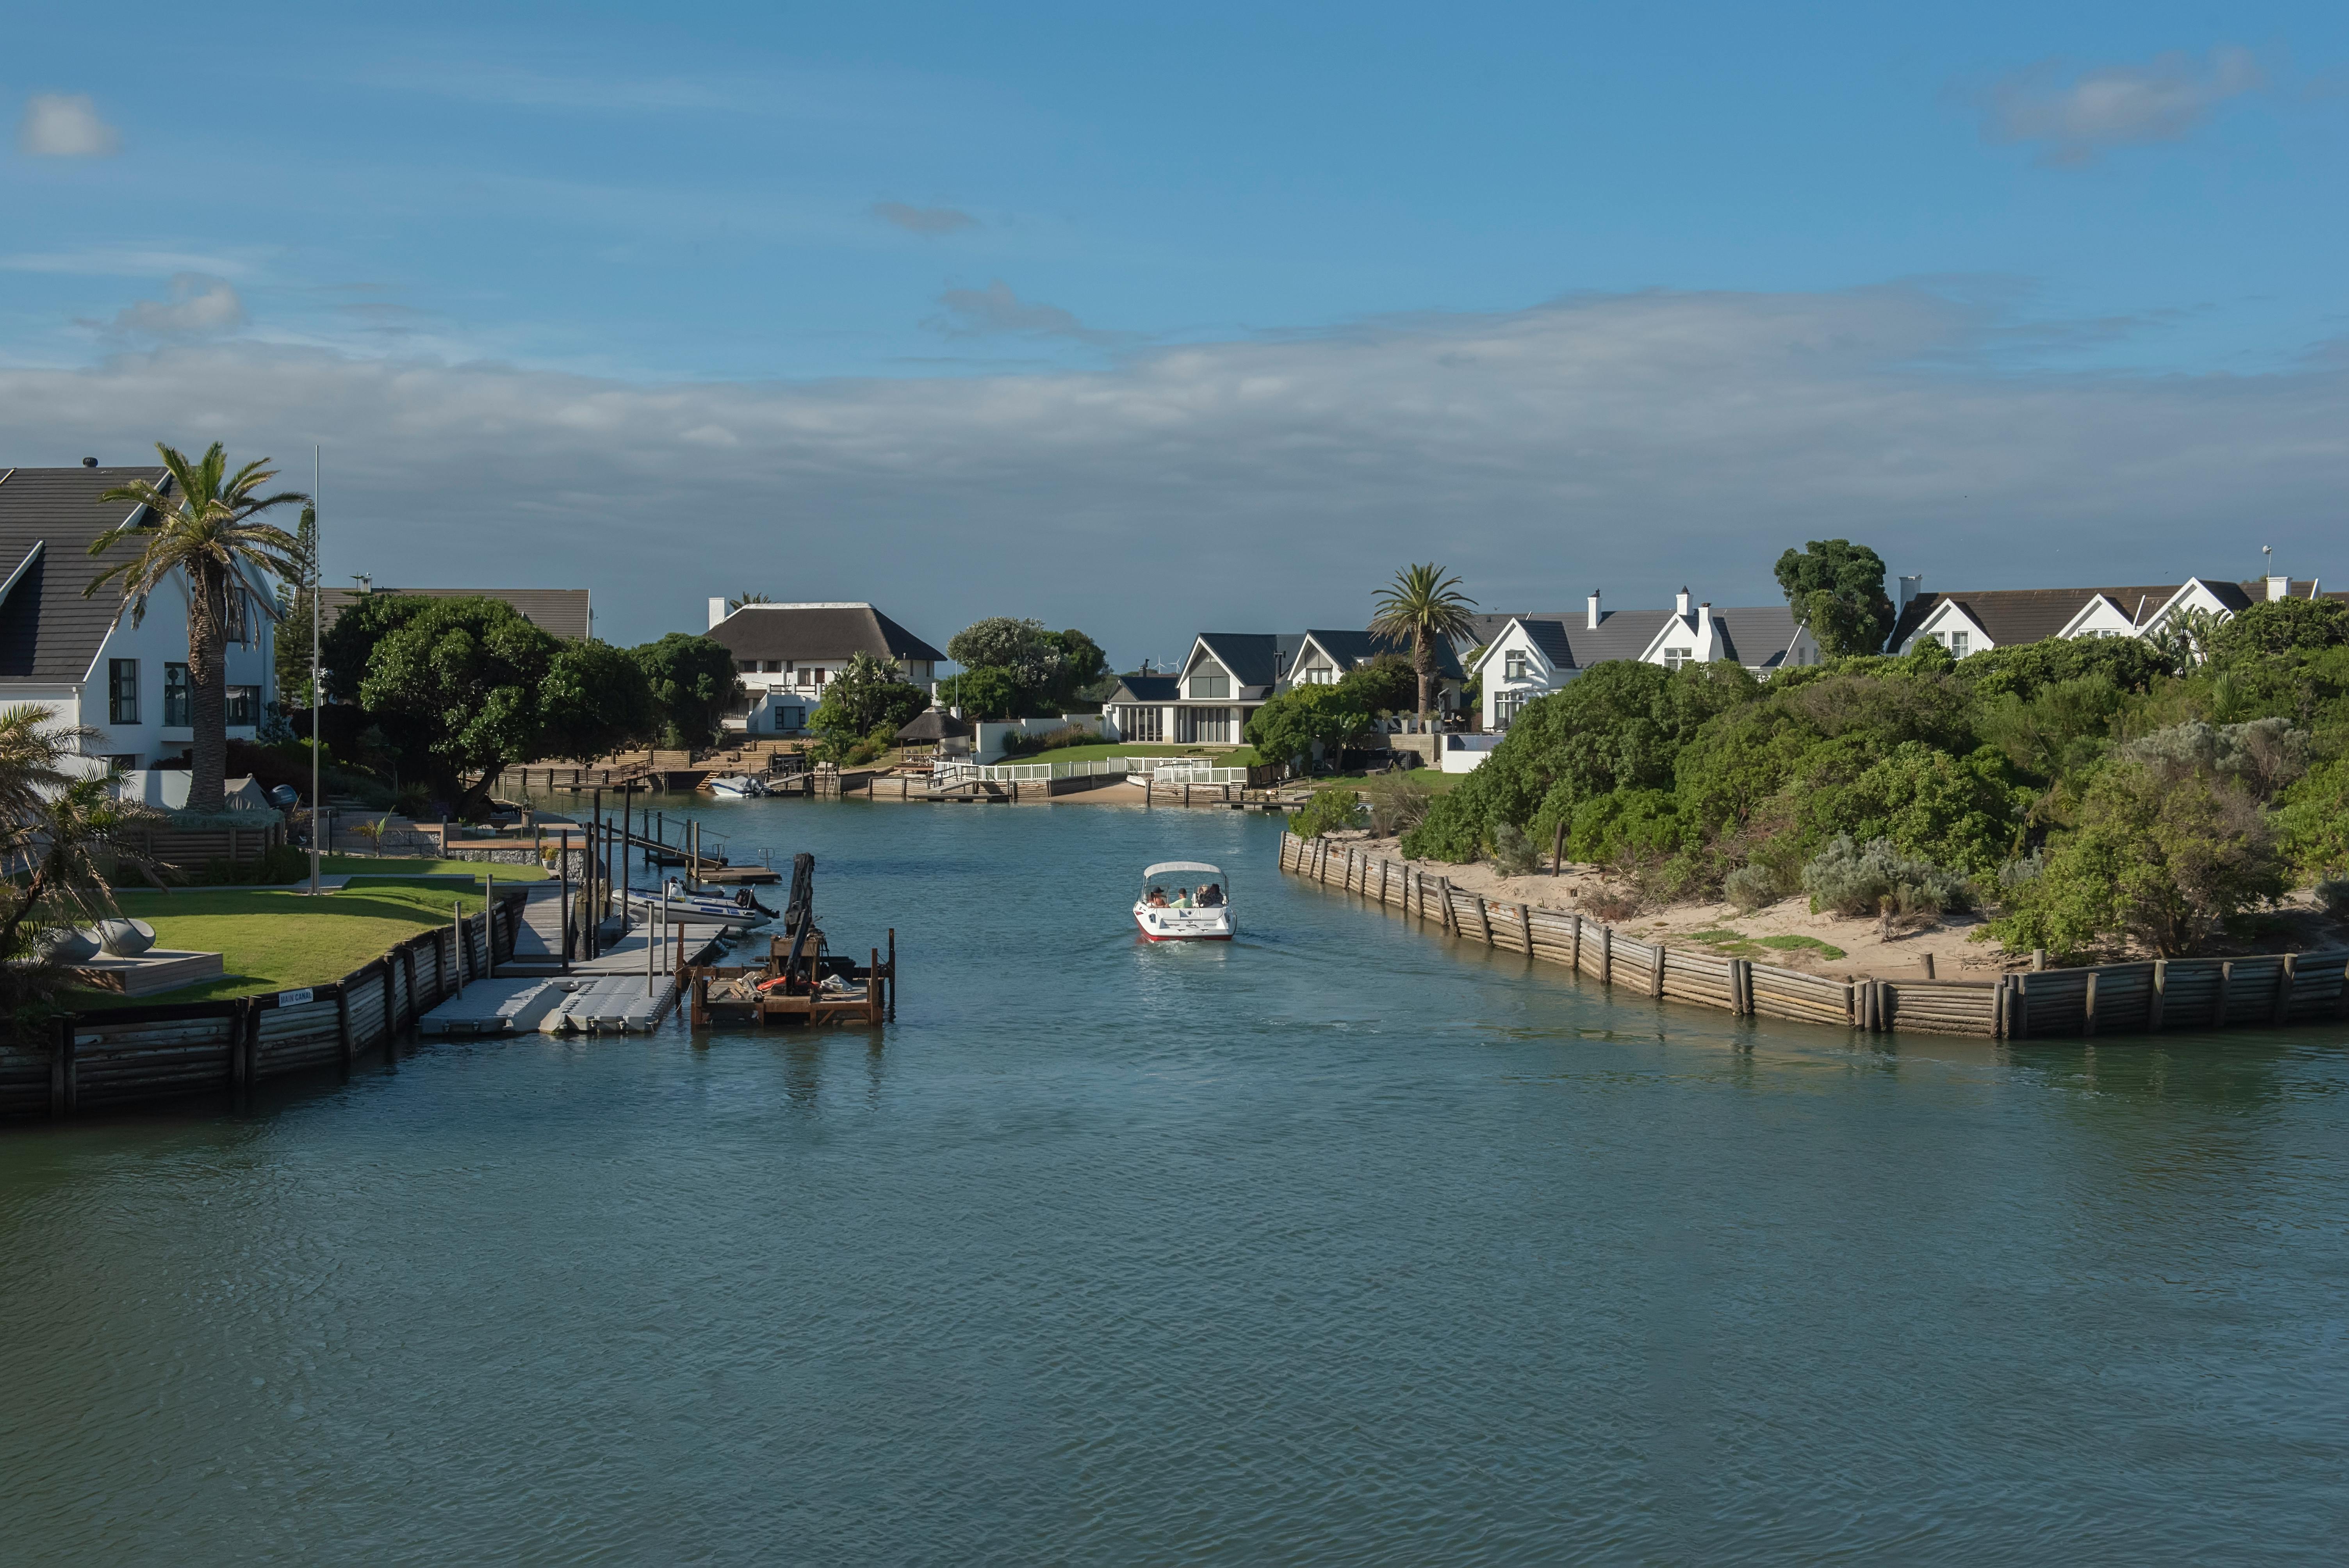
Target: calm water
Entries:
(1341, 1243)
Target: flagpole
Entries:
(317, 606)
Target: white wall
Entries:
(162, 639)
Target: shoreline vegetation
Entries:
(2177, 795)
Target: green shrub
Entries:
(1852, 878)
(1332, 808)
(277, 864)
(1751, 888)
(2167, 860)
(2333, 895)
(1514, 852)
(1396, 806)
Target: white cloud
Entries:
(2072, 120)
(1629, 443)
(65, 125)
(923, 220)
(123, 261)
(995, 309)
(199, 305)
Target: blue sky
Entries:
(1149, 320)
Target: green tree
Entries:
(1384, 683)
(989, 692)
(1333, 807)
(2127, 664)
(693, 683)
(595, 701)
(1837, 588)
(1421, 607)
(867, 698)
(1286, 729)
(198, 525)
(2281, 626)
(58, 829)
(2166, 860)
(1000, 642)
(1082, 663)
(467, 676)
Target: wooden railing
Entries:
(2114, 999)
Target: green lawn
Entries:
(271, 940)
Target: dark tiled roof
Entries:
(1353, 648)
(1756, 635)
(1146, 689)
(1550, 637)
(1572, 644)
(1252, 657)
(563, 612)
(49, 632)
(2009, 615)
(820, 631)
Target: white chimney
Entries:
(1679, 602)
(1593, 623)
(1705, 623)
(1910, 587)
(2279, 588)
(716, 611)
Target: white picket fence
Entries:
(1159, 769)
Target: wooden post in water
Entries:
(343, 1025)
(2226, 984)
(456, 924)
(490, 928)
(2088, 1008)
(2287, 973)
(2160, 995)
(1607, 956)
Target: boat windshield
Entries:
(1183, 884)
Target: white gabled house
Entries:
(127, 682)
(1208, 698)
(1973, 623)
(787, 654)
(1529, 656)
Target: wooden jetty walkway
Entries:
(2197, 994)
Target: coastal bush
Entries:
(1052, 740)
(2333, 897)
(1290, 728)
(278, 864)
(1333, 807)
(2311, 820)
(1851, 878)
(2127, 664)
(1396, 806)
(1751, 888)
(1514, 852)
(693, 681)
(2281, 626)
(2166, 860)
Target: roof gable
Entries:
(48, 520)
(1250, 658)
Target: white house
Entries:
(1208, 698)
(1529, 656)
(787, 653)
(129, 683)
(1971, 622)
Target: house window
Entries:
(1506, 705)
(178, 708)
(123, 691)
(1139, 724)
(748, 667)
(1514, 665)
(1675, 657)
(1319, 675)
(1210, 686)
(123, 761)
(1202, 726)
(242, 705)
(1957, 645)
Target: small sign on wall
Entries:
(294, 998)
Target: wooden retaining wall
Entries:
(109, 1058)
(2198, 993)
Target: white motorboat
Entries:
(740, 912)
(1199, 912)
(737, 787)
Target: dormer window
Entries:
(1514, 666)
(1211, 687)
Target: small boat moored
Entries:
(739, 787)
(1200, 914)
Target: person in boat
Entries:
(1158, 898)
(1182, 898)
(1210, 895)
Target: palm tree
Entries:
(1422, 605)
(56, 831)
(734, 604)
(199, 524)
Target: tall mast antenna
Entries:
(318, 692)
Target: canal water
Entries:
(1341, 1243)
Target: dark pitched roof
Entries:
(1550, 637)
(48, 520)
(818, 631)
(564, 611)
(1767, 629)
(1141, 688)
(1252, 657)
(1351, 648)
(2009, 615)
(936, 724)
